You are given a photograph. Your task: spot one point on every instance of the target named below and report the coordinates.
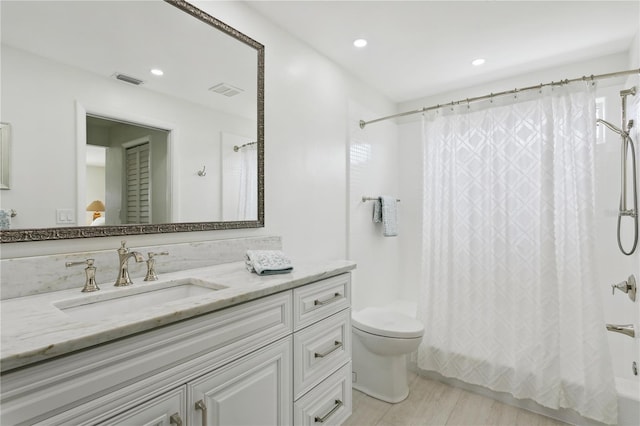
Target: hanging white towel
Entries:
(385, 210)
(267, 262)
(5, 219)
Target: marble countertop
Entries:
(34, 328)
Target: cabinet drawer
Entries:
(314, 302)
(329, 403)
(319, 350)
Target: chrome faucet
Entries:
(123, 271)
(626, 329)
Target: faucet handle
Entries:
(151, 265)
(628, 286)
(90, 272)
(123, 249)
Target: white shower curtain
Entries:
(248, 198)
(510, 297)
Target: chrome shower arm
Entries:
(612, 127)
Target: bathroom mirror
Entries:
(77, 77)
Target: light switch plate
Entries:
(65, 216)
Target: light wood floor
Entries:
(434, 403)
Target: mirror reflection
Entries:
(127, 170)
(139, 115)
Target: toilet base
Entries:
(382, 377)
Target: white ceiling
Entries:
(131, 37)
(420, 48)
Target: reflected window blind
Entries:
(138, 184)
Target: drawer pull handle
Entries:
(330, 413)
(336, 345)
(200, 406)
(335, 297)
(175, 419)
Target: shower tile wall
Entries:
(613, 265)
(373, 171)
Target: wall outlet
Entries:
(65, 216)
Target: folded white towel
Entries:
(385, 210)
(267, 262)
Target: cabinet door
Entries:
(254, 390)
(164, 410)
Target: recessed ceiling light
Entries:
(157, 71)
(477, 62)
(360, 42)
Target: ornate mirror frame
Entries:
(43, 234)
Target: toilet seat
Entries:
(386, 323)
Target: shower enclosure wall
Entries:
(613, 265)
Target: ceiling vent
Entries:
(226, 89)
(128, 79)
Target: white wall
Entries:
(307, 124)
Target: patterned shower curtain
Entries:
(248, 198)
(510, 298)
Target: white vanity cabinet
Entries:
(279, 360)
(322, 352)
(253, 390)
(98, 384)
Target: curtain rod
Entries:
(506, 92)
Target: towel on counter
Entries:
(267, 262)
(385, 210)
(5, 219)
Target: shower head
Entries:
(612, 127)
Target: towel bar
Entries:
(364, 198)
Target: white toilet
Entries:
(381, 340)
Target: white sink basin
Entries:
(133, 299)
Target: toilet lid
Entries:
(384, 322)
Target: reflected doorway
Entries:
(128, 169)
